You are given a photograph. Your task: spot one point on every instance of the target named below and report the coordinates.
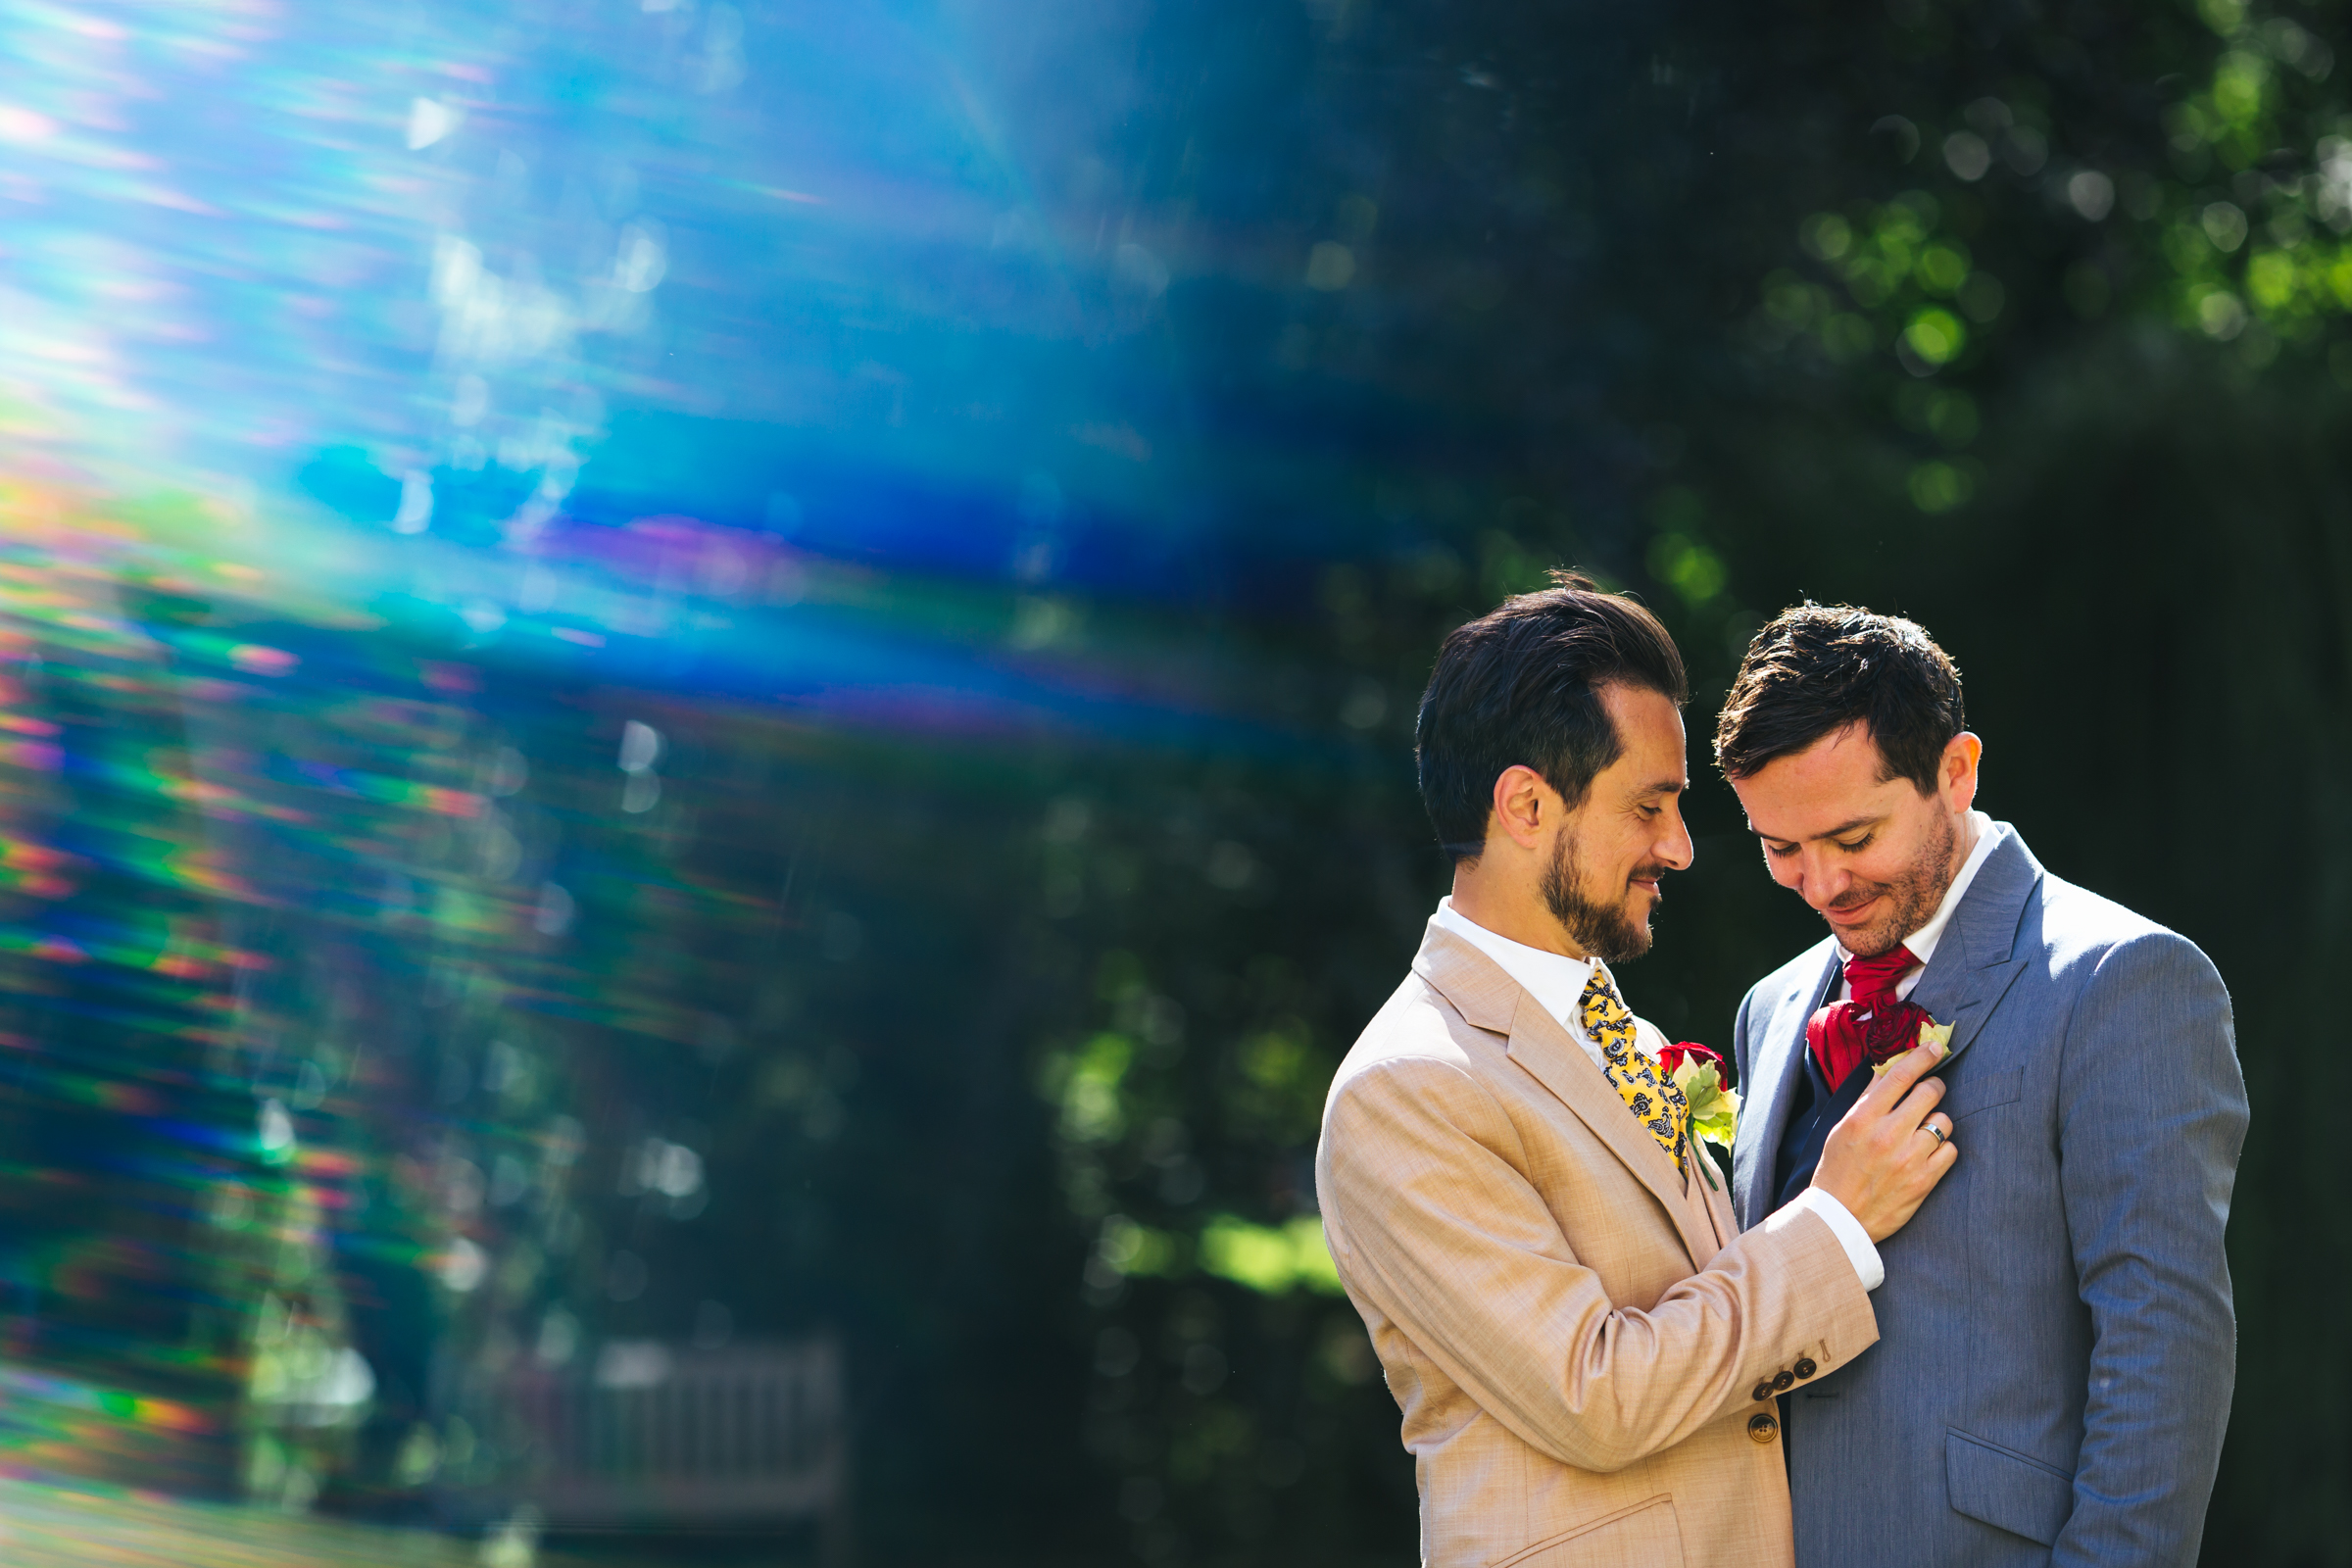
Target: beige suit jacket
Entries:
(1573, 1332)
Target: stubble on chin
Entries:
(1913, 897)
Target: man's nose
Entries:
(1676, 849)
(1825, 883)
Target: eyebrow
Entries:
(1665, 787)
(1853, 826)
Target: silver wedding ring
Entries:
(1937, 1130)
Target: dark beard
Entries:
(1912, 898)
(1603, 930)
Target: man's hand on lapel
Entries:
(1888, 1152)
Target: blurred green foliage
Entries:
(2023, 319)
(1003, 1062)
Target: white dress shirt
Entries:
(1555, 980)
(1557, 983)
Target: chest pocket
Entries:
(1982, 1093)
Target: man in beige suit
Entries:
(1584, 1347)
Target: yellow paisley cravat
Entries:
(1647, 1093)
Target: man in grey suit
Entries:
(2057, 1343)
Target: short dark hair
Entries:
(1521, 685)
(1816, 668)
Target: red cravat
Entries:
(1873, 1025)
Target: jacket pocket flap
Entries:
(2004, 1490)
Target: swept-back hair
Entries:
(1521, 686)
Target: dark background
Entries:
(985, 998)
(1575, 356)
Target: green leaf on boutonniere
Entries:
(1714, 1109)
(1930, 1034)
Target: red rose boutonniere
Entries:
(1843, 1036)
(1714, 1104)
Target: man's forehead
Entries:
(1789, 815)
(1652, 765)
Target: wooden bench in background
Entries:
(660, 1438)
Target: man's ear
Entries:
(1959, 771)
(1525, 808)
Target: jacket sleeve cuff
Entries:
(1849, 1233)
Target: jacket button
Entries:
(1783, 1382)
(1762, 1428)
(1761, 1392)
(1805, 1367)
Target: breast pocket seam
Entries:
(1994, 1092)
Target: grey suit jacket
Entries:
(2057, 1341)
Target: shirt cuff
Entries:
(1849, 1233)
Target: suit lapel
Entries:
(1539, 1044)
(1972, 969)
(1967, 1001)
(1718, 1199)
(1780, 1058)
(1542, 1045)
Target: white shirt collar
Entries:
(1555, 980)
